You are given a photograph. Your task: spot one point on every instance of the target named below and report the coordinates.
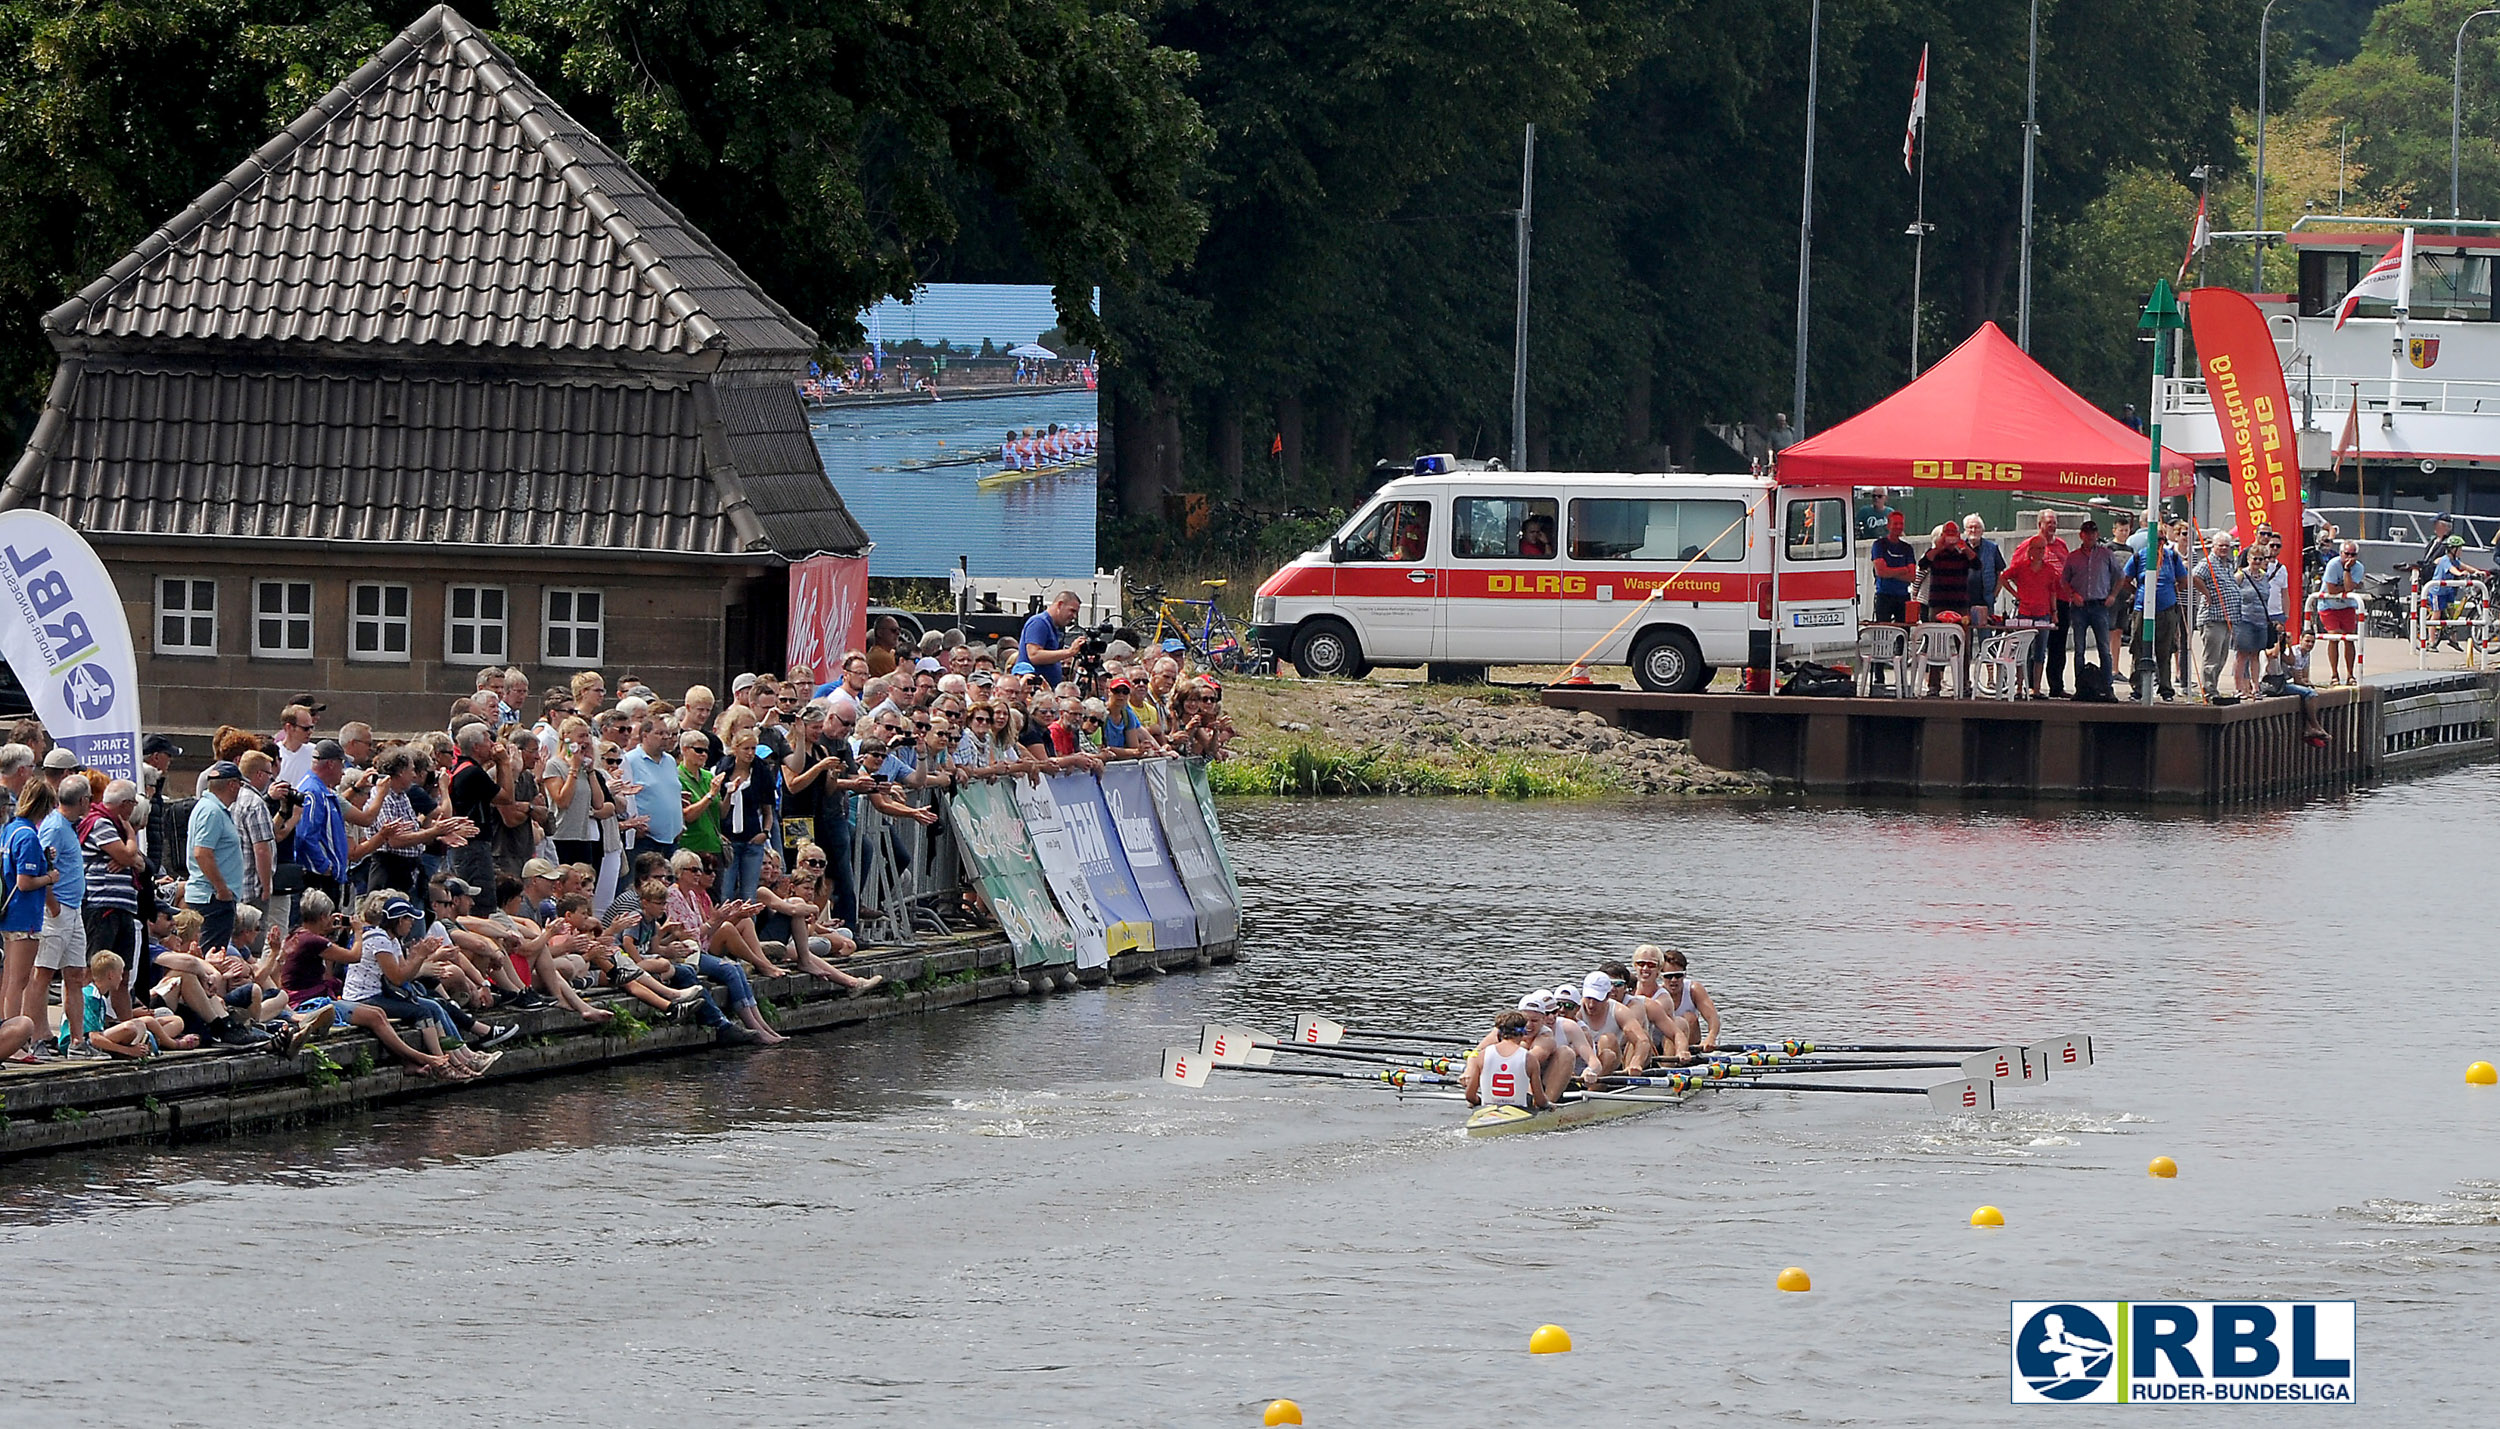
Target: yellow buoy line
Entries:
(1429, 1065)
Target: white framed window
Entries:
(574, 630)
(377, 622)
(476, 623)
(282, 620)
(186, 616)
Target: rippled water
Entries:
(998, 1216)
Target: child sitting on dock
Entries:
(2287, 673)
(135, 1037)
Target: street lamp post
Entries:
(2264, 19)
(1805, 216)
(2031, 131)
(2456, 111)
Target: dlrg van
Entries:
(1670, 574)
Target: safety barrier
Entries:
(2325, 636)
(2471, 608)
(1074, 867)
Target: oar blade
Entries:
(1227, 1046)
(1183, 1067)
(2006, 1064)
(1312, 1030)
(1967, 1097)
(2066, 1054)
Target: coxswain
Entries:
(1509, 1070)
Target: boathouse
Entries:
(431, 381)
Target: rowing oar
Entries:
(1185, 1067)
(1312, 1030)
(2069, 1053)
(1425, 1060)
(1967, 1095)
(1232, 1044)
(1802, 1064)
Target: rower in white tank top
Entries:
(1503, 1071)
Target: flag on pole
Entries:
(2350, 439)
(2383, 281)
(2200, 233)
(1918, 113)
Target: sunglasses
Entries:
(811, 863)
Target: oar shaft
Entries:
(1401, 1074)
(1869, 1047)
(1433, 1061)
(1821, 1087)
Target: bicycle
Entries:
(1205, 632)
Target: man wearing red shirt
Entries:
(2044, 549)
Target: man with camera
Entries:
(1045, 633)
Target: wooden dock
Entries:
(2210, 756)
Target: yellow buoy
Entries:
(1795, 1279)
(1987, 1216)
(2482, 1074)
(2163, 1167)
(1283, 1411)
(1550, 1340)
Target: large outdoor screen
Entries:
(965, 428)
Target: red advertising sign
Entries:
(828, 611)
(2253, 408)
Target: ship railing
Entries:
(2187, 395)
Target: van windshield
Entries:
(1392, 531)
(1656, 530)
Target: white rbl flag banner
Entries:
(2383, 281)
(1918, 113)
(2200, 233)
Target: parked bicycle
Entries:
(1204, 631)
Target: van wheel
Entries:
(1327, 650)
(1667, 662)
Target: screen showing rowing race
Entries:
(964, 427)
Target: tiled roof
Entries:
(436, 310)
(436, 197)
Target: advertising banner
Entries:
(1185, 834)
(828, 611)
(1215, 831)
(1096, 844)
(2253, 410)
(1087, 921)
(1132, 807)
(991, 834)
(65, 636)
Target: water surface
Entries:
(899, 471)
(998, 1216)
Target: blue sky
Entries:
(965, 313)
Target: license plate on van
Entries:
(1805, 619)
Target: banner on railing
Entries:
(1056, 853)
(1132, 808)
(1098, 854)
(1193, 851)
(1000, 856)
(1206, 806)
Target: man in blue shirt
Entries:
(1044, 633)
(1896, 565)
(321, 828)
(2169, 622)
(662, 799)
(216, 855)
(63, 947)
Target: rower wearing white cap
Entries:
(1578, 1050)
(1597, 1018)
(1509, 1069)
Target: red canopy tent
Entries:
(1985, 418)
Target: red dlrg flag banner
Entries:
(2244, 378)
(828, 611)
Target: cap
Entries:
(743, 682)
(928, 663)
(223, 769)
(1023, 667)
(1598, 987)
(160, 744)
(1538, 1001)
(328, 749)
(458, 887)
(1120, 683)
(60, 758)
(308, 702)
(1566, 996)
(540, 868)
(401, 908)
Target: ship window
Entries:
(2453, 286)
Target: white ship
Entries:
(2426, 382)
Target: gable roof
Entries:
(437, 197)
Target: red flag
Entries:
(2384, 280)
(2244, 380)
(1918, 112)
(1276, 445)
(2199, 234)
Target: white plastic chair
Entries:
(1940, 645)
(1997, 664)
(1887, 647)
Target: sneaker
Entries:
(45, 1052)
(82, 1051)
(497, 1036)
(734, 1035)
(484, 1060)
(532, 1000)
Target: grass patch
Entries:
(626, 1023)
(1306, 769)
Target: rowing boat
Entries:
(1581, 1110)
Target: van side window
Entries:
(1656, 531)
(1818, 530)
(1395, 532)
(1502, 528)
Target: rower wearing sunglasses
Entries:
(1679, 1005)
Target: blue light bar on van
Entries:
(1438, 464)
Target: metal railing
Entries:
(2187, 395)
(911, 880)
(2471, 609)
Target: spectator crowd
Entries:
(544, 843)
